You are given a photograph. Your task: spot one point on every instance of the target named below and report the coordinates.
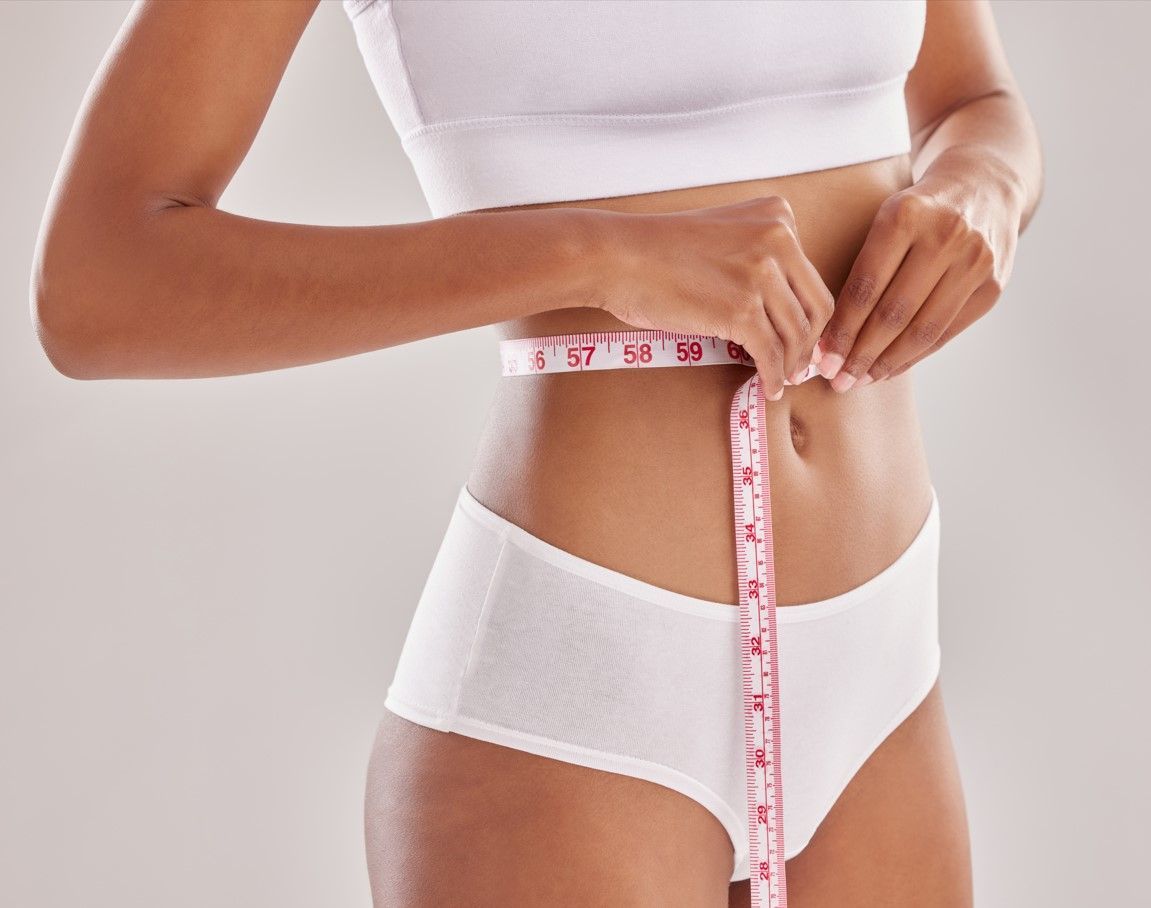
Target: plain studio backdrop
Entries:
(205, 584)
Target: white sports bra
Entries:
(510, 102)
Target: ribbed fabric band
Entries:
(494, 162)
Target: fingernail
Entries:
(829, 365)
(777, 396)
(816, 353)
(866, 380)
(843, 381)
(797, 376)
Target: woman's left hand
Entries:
(935, 260)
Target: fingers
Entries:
(781, 327)
(880, 258)
(927, 270)
(889, 316)
(817, 303)
(927, 325)
(797, 300)
(975, 307)
(788, 317)
(758, 337)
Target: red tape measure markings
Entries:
(754, 556)
(751, 490)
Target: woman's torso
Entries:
(499, 104)
(632, 470)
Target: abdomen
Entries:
(632, 470)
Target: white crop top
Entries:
(509, 102)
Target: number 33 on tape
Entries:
(754, 553)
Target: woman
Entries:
(840, 184)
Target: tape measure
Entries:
(751, 491)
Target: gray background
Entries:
(205, 584)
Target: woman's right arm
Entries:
(138, 275)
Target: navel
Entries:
(798, 434)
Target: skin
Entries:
(138, 274)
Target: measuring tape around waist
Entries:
(751, 491)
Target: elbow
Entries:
(72, 326)
(67, 357)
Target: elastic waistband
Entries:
(721, 611)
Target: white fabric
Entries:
(520, 643)
(507, 102)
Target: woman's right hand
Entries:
(735, 271)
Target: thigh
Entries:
(897, 837)
(451, 820)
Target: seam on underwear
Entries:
(589, 757)
(867, 591)
(570, 119)
(905, 710)
(599, 574)
(481, 621)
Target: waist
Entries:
(632, 468)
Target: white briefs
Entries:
(520, 643)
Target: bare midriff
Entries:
(632, 470)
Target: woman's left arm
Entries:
(939, 252)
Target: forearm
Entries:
(191, 291)
(991, 143)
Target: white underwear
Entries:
(520, 643)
